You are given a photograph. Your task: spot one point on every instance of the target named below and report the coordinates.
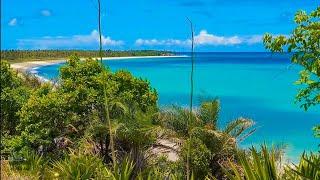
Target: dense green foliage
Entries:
(199, 157)
(68, 110)
(13, 96)
(22, 55)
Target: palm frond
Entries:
(209, 112)
(237, 127)
(308, 167)
(123, 171)
(255, 165)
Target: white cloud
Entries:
(209, 39)
(94, 37)
(202, 39)
(13, 22)
(45, 12)
(254, 39)
(155, 42)
(76, 41)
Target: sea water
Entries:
(259, 86)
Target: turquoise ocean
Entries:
(259, 86)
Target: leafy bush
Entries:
(12, 100)
(199, 157)
(135, 91)
(13, 96)
(9, 78)
(44, 117)
(86, 81)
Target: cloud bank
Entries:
(71, 42)
(91, 41)
(203, 39)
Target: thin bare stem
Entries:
(99, 28)
(106, 103)
(192, 69)
(191, 97)
(113, 154)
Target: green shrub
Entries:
(255, 166)
(8, 78)
(215, 141)
(162, 168)
(44, 117)
(29, 164)
(78, 165)
(199, 157)
(85, 80)
(13, 96)
(209, 112)
(135, 91)
(176, 119)
(123, 171)
(12, 99)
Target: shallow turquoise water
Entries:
(253, 85)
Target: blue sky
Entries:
(220, 25)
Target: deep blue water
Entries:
(259, 86)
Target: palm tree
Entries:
(205, 117)
(222, 142)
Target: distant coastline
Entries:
(13, 56)
(29, 65)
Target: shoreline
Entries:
(30, 65)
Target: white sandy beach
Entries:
(26, 66)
